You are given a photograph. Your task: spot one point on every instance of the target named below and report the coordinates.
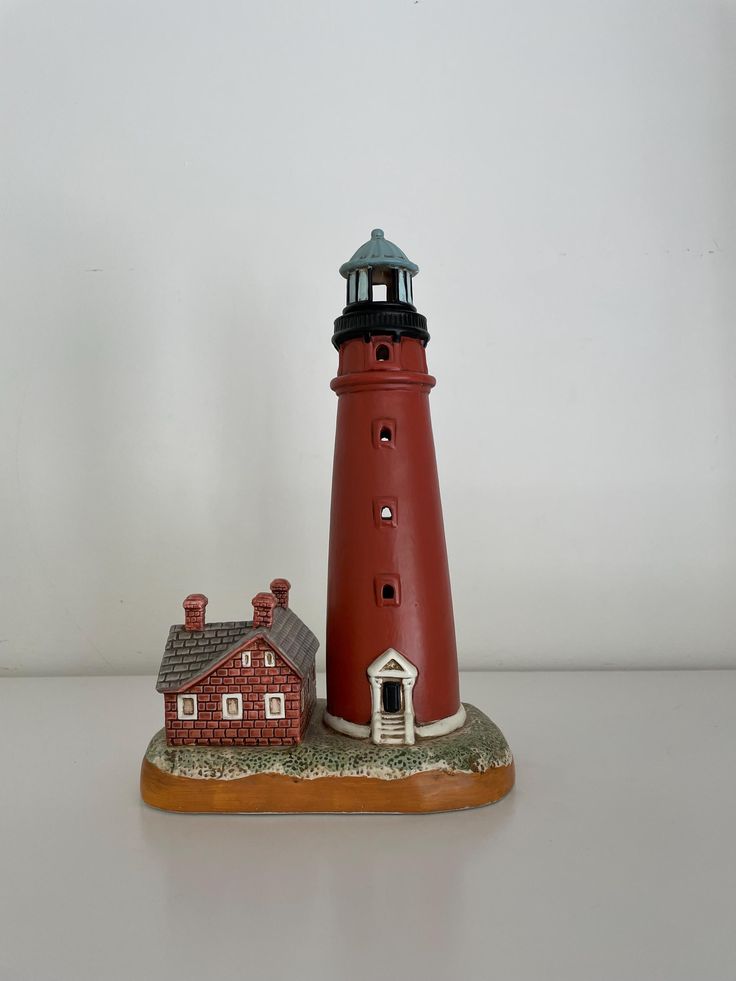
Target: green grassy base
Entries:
(478, 746)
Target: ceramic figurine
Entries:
(243, 728)
(391, 659)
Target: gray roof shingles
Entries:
(190, 654)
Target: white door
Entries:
(392, 679)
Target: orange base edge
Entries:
(272, 793)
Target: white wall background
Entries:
(179, 182)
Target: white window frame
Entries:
(269, 659)
(267, 700)
(180, 708)
(239, 711)
(245, 659)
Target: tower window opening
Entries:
(380, 293)
(388, 590)
(385, 514)
(383, 434)
(383, 353)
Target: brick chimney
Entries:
(263, 607)
(280, 589)
(194, 607)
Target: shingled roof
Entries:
(192, 654)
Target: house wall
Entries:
(309, 686)
(253, 683)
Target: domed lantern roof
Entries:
(379, 293)
(378, 251)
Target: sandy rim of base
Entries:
(271, 793)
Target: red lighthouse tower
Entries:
(391, 655)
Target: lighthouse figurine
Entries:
(391, 658)
(244, 730)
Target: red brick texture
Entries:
(253, 683)
(263, 607)
(280, 589)
(194, 611)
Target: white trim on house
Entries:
(442, 726)
(238, 714)
(269, 659)
(245, 659)
(179, 708)
(267, 700)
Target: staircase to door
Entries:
(392, 728)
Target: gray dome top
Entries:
(378, 252)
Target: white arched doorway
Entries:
(392, 680)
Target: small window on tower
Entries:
(385, 512)
(383, 353)
(379, 293)
(387, 590)
(383, 432)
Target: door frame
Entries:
(392, 666)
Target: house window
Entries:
(388, 590)
(246, 659)
(186, 707)
(274, 705)
(232, 705)
(270, 659)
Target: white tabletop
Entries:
(613, 858)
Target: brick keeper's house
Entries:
(247, 683)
